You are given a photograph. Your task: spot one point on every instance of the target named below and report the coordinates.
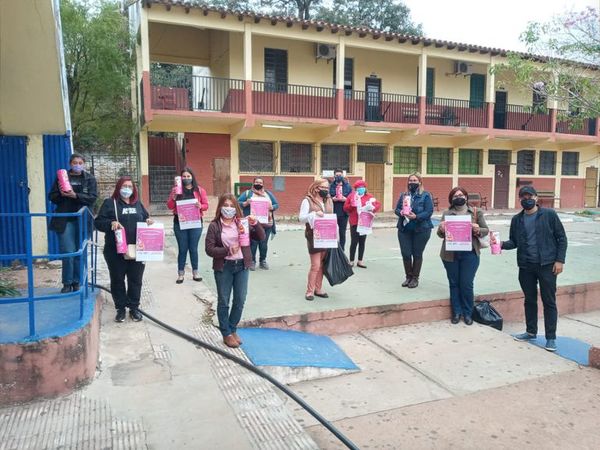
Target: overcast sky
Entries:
(484, 22)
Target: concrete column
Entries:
(234, 162)
(144, 167)
(422, 80)
(248, 67)
(37, 196)
(388, 177)
(145, 41)
(339, 76)
(455, 157)
(490, 96)
(513, 179)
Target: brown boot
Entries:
(230, 341)
(407, 271)
(237, 338)
(416, 271)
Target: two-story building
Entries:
(270, 96)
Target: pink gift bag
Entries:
(496, 246)
(244, 232)
(406, 209)
(178, 186)
(121, 240)
(63, 180)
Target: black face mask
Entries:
(528, 203)
(413, 187)
(323, 193)
(459, 201)
(186, 181)
(258, 187)
(339, 178)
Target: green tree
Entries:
(99, 65)
(567, 69)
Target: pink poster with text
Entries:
(188, 213)
(325, 231)
(459, 233)
(150, 242)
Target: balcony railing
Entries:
(200, 93)
(456, 113)
(517, 117)
(292, 100)
(574, 125)
(380, 107)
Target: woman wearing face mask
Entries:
(123, 210)
(414, 227)
(316, 203)
(359, 200)
(461, 266)
(84, 193)
(231, 261)
(187, 240)
(259, 193)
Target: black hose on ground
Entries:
(282, 387)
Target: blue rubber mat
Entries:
(273, 347)
(568, 348)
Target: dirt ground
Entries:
(45, 274)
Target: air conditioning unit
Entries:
(463, 68)
(325, 51)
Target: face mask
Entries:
(78, 168)
(413, 187)
(126, 192)
(323, 193)
(459, 201)
(361, 191)
(258, 187)
(228, 212)
(528, 203)
(186, 181)
(339, 178)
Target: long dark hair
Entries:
(236, 205)
(117, 192)
(195, 186)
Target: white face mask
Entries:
(228, 212)
(126, 192)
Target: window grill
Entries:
(335, 156)
(570, 163)
(547, 163)
(526, 162)
(296, 157)
(371, 154)
(499, 157)
(256, 156)
(439, 160)
(469, 161)
(407, 160)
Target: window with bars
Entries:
(547, 163)
(469, 161)
(526, 162)
(439, 160)
(570, 163)
(335, 156)
(296, 157)
(371, 154)
(407, 160)
(499, 157)
(256, 156)
(276, 70)
(348, 75)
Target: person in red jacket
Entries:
(187, 240)
(359, 201)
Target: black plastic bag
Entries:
(336, 267)
(486, 314)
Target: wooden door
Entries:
(591, 187)
(501, 186)
(221, 179)
(374, 176)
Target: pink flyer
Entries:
(189, 214)
(150, 242)
(325, 231)
(259, 208)
(458, 233)
(365, 223)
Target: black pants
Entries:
(529, 277)
(357, 239)
(118, 268)
(342, 221)
(412, 244)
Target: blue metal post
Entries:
(30, 287)
(82, 279)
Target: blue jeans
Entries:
(187, 241)
(262, 246)
(412, 243)
(234, 276)
(68, 242)
(461, 273)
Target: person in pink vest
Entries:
(359, 200)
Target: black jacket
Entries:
(129, 215)
(84, 186)
(550, 235)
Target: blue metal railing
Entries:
(83, 217)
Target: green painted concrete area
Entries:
(280, 290)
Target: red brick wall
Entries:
(289, 200)
(572, 192)
(540, 184)
(473, 185)
(201, 149)
(438, 187)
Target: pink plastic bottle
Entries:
(178, 186)
(63, 180)
(406, 209)
(496, 246)
(244, 232)
(121, 240)
(338, 191)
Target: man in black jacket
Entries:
(539, 237)
(84, 193)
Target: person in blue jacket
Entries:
(245, 199)
(339, 190)
(414, 228)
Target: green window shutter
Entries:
(430, 87)
(407, 160)
(477, 96)
(439, 161)
(469, 161)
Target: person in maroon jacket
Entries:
(232, 258)
(359, 200)
(187, 240)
